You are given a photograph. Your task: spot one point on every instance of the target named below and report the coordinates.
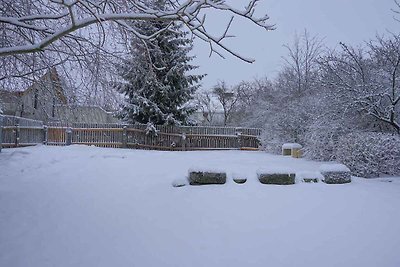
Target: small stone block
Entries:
(277, 178)
(337, 177)
(204, 178)
(335, 173)
(240, 180)
(310, 180)
(179, 183)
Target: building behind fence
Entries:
(16, 132)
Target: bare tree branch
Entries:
(75, 15)
(397, 10)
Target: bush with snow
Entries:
(367, 154)
(370, 154)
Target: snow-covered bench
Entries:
(199, 177)
(278, 177)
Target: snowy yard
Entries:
(86, 206)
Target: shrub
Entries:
(370, 154)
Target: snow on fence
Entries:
(23, 132)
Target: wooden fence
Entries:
(25, 132)
(15, 131)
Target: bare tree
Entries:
(385, 53)
(35, 25)
(228, 98)
(248, 94)
(367, 80)
(206, 104)
(301, 62)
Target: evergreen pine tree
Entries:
(156, 84)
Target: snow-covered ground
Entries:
(86, 206)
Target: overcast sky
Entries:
(348, 21)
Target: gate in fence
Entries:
(25, 132)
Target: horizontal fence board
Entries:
(209, 148)
(102, 144)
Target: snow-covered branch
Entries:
(50, 21)
(368, 80)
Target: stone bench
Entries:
(335, 173)
(206, 177)
(276, 178)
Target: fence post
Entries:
(125, 137)
(183, 141)
(17, 133)
(68, 139)
(1, 132)
(45, 134)
(238, 137)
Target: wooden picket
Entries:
(22, 132)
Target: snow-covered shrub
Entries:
(370, 154)
(271, 142)
(285, 126)
(321, 142)
(367, 154)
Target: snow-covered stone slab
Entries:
(277, 177)
(206, 177)
(309, 177)
(335, 173)
(292, 149)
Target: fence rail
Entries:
(15, 131)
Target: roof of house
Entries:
(51, 75)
